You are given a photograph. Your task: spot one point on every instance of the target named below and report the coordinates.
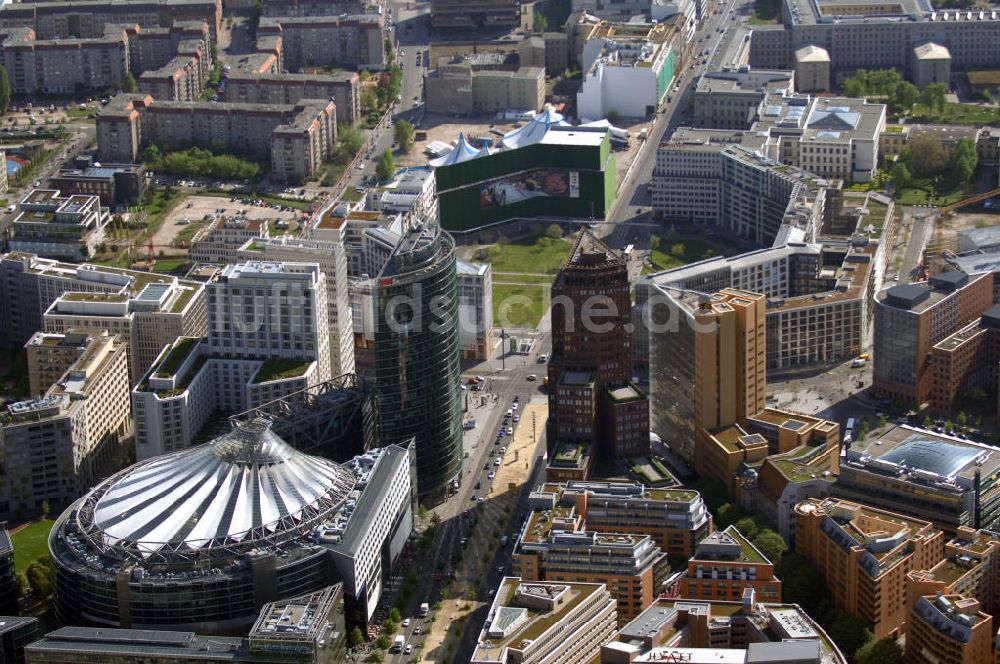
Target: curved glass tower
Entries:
(417, 372)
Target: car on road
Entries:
(532, 378)
(510, 431)
(492, 474)
(496, 462)
(406, 622)
(543, 358)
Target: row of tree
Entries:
(927, 157)
(199, 162)
(888, 84)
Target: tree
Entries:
(934, 96)
(654, 242)
(849, 633)
(355, 638)
(881, 651)
(748, 527)
(905, 95)
(927, 422)
(770, 544)
(151, 155)
(376, 657)
(254, 21)
(404, 134)
(900, 175)
(45, 509)
(395, 616)
(40, 579)
(964, 160)
(386, 166)
(23, 587)
(129, 84)
(554, 231)
(369, 100)
(613, 117)
(728, 514)
(962, 419)
(4, 90)
(351, 138)
(383, 641)
(390, 52)
(864, 428)
(881, 421)
(539, 22)
(928, 155)
(948, 427)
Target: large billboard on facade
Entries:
(536, 183)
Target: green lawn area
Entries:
(544, 279)
(526, 311)
(918, 193)
(168, 265)
(758, 19)
(682, 251)
(287, 202)
(962, 114)
(31, 543)
(351, 195)
(535, 255)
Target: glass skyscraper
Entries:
(417, 371)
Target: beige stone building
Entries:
(57, 446)
(285, 88)
(465, 88)
(87, 20)
(356, 40)
(49, 355)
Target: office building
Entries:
(572, 167)
(879, 36)
(57, 226)
(627, 74)
(87, 20)
(146, 319)
(267, 339)
(307, 628)
(863, 555)
(774, 486)
(939, 478)
(970, 567)
(30, 285)
(220, 241)
(417, 371)
(536, 622)
(676, 519)
(115, 184)
(592, 400)
(57, 445)
(724, 565)
(707, 364)
(966, 361)
(15, 635)
(483, 83)
(735, 632)
(910, 319)
(331, 258)
(243, 561)
(8, 578)
(50, 355)
(730, 98)
(451, 14)
(411, 191)
(949, 628)
(247, 87)
(356, 40)
(296, 137)
(475, 310)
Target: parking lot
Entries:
(198, 211)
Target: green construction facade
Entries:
(665, 77)
(564, 180)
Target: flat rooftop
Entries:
(921, 450)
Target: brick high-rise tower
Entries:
(591, 398)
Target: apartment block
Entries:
(536, 622)
(970, 567)
(30, 285)
(483, 83)
(219, 242)
(879, 35)
(50, 355)
(967, 360)
(297, 137)
(267, 339)
(57, 226)
(87, 19)
(356, 40)
(863, 555)
(475, 310)
(910, 319)
(58, 445)
(730, 98)
(724, 565)
(332, 260)
(935, 477)
(773, 487)
(452, 14)
(676, 519)
(737, 632)
(591, 398)
(247, 87)
(146, 320)
(949, 628)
